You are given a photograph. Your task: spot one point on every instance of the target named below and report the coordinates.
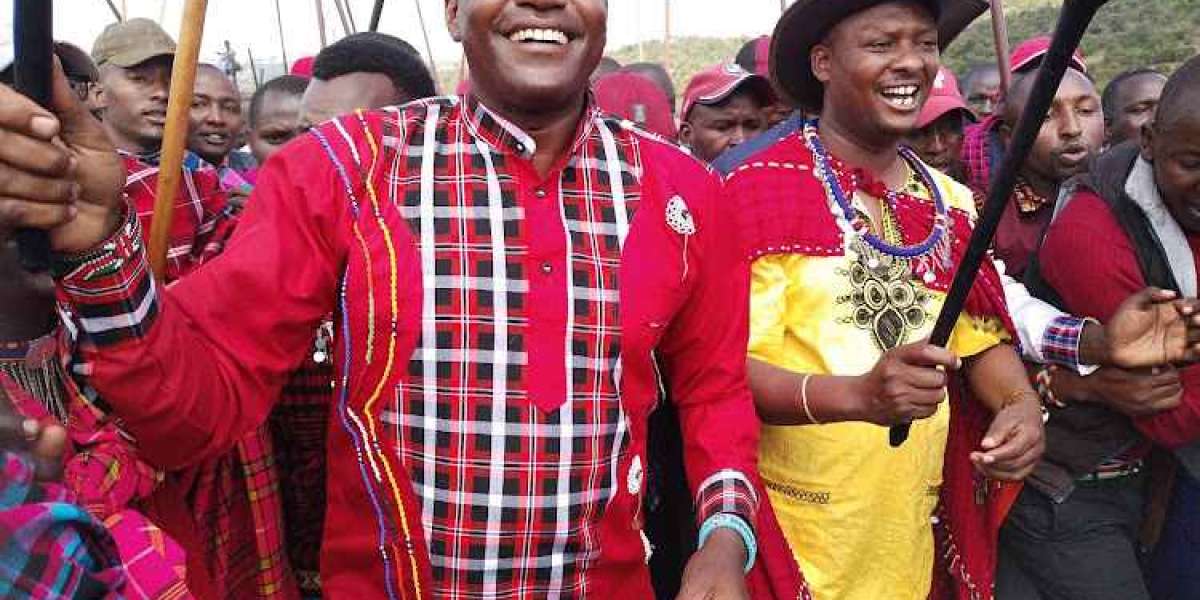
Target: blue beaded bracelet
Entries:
(737, 524)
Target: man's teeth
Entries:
(552, 36)
(904, 96)
(216, 138)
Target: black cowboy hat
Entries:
(807, 22)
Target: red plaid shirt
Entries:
(501, 336)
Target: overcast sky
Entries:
(251, 23)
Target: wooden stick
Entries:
(115, 11)
(377, 14)
(179, 104)
(321, 22)
(253, 68)
(342, 17)
(425, 33)
(350, 15)
(1073, 21)
(282, 43)
(1000, 38)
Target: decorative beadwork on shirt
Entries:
(883, 298)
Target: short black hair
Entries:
(292, 85)
(1181, 94)
(747, 57)
(372, 52)
(1108, 100)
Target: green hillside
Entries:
(1126, 33)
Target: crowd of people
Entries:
(562, 334)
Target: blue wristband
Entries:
(736, 523)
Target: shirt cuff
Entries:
(111, 288)
(1060, 343)
(728, 492)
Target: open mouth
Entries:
(155, 117)
(530, 35)
(902, 97)
(216, 139)
(1074, 156)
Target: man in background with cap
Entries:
(1071, 135)
(723, 106)
(637, 98)
(938, 138)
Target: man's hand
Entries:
(1153, 327)
(1014, 442)
(1140, 393)
(45, 444)
(58, 170)
(715, 572)
(908, 383)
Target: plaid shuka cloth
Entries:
(49, 547)
(235, 500)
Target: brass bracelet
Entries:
(804, 400)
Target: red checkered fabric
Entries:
(496, 345)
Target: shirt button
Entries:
(547, 268)
(521, 148)
(540, 193)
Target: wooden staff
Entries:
(1000, 38)
(33, 62)
(350, 14)
(425, 33)
(115, 11)
(321, 22)
(342, 17)
(179, 104)
(282, 42)
(377, 13)
(1073, 21)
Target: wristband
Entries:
(736, 523)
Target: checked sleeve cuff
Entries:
(728, 492)
(1060, 343)
(111, 288)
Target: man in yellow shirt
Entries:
(853, 243)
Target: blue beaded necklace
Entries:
(851, 219)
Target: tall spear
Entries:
(33, 62)
(1073, 21)
(282, 42)
(342, 17)
(425, 34)
(115, 11)
(377, 13)
(179, 103)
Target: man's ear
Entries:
(685, 134)
(820, 60)
(452, 20)
(1148, 134)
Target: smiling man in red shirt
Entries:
(513, 274)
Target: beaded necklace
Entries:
(927, 256)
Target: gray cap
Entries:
(131, 43)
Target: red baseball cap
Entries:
(303, 67)
(718, 82)
(1030, 51)
(943, 98)
(636, 98)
